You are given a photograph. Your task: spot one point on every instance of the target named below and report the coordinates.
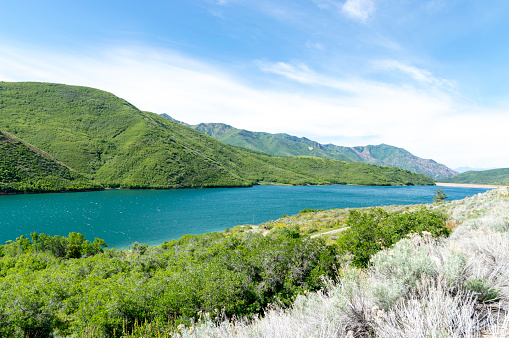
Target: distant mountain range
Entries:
(107, 140)
(288, 145)
(494, 177)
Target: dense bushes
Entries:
(171, 284)
(74, 246)
(376, 229)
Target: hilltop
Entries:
(287, 145)
(116, 144)
(26, 168)
(493, 177)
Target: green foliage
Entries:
(74, 246)
(305, 211)
(483, 290)
(289, 232)
(440, 196)
(376, 229)
(138, 248)
(105, 137)
(179, 282)
(494, 177)
(26, 169)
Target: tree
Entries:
(440, 196)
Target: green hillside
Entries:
(288, 145)
(494, 177)
(99, 134)
(24, 168)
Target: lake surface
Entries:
(121, 217)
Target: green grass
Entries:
(101, 135)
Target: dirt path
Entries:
(330, 232)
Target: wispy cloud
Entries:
(219, 2)
(314, 45)
(303, 74)
(359, 10)
(416, 73)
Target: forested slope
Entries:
(99, 134)
(494, 177)
(27, 169)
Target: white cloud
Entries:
(314, 45)
(219, 2)
(418, 74)
(359, 10)
(349, 110)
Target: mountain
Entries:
(172, 119)
(25, 168)
(465, 169)
(287, 145)
(494, 177)
(273, 144)
(107, 138)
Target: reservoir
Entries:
(122, 217)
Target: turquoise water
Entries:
(121, 217)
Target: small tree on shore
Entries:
(440, 196)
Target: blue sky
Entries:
(427, 76)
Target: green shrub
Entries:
(371, 231)
(482, 289)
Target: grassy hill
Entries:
(99, 134)
(24, 168)
(494, 176)
(288, 145)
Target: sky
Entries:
(429, 76)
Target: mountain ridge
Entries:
(281, 144)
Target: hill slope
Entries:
(99, 134)
(494, 176)
(24, 168)
(288, 145)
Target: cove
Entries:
(121, 217)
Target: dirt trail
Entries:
(330, 232)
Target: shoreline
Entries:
(468, 185)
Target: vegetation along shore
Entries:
(396, 271)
